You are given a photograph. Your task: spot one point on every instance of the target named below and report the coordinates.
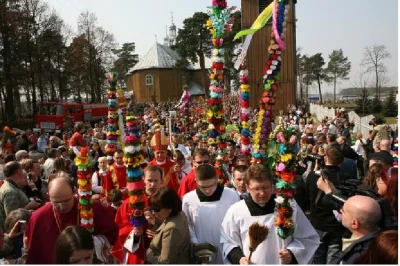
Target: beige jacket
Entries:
(171, 243)
(381, 133)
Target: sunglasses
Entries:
(202, 162)
(155, 209)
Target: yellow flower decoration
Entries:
(82, 182)
(286, 157)
(218, 114)
(245, 88)
(80, 160)
(209, 23)
(209, 113)
(211, 141)
(245, 124)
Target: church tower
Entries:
(257, 55)
(166, 39)
(172, 31)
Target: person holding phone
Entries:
(33, 187)
(14, 229)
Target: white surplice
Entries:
(235, 233)
(205, 218)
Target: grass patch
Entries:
(390, 120)
(341, 105)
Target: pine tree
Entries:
(363, 103)
(338, 69)
(376, 105)
(390, 108)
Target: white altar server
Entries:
(259, 207)
(205, 208)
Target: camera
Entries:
(349, 188)
(372, 122)
(314, 157)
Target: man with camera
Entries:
(361, 215)
(327, 226)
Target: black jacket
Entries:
(348, 152)
(355, 250)
(386, 157)
(322, 217)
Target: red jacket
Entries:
(188, 184)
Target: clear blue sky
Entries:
(322, 26)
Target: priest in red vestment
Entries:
(188, 183)
(153, 182)
(49, 221)
(159, 143)
(116, 175)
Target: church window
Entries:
(149, 80)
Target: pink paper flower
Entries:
(280, 167)
(281, 138)
(292, 139)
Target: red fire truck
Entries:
(52, 116)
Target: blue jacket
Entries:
(349, 167)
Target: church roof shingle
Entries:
(161, 56)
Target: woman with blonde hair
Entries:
(359, 146)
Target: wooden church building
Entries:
(156, 78)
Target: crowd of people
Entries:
(345, 208)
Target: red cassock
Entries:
(188, 184)
(76, 140)
(115, 178)
(169, 177)
(125, 228)
(42, 230)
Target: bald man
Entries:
(50, 220)
(384, 152)
(361, 216)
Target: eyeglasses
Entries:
(202, 162)
(61, 203)
(260, 189)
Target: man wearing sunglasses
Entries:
(188, 183)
